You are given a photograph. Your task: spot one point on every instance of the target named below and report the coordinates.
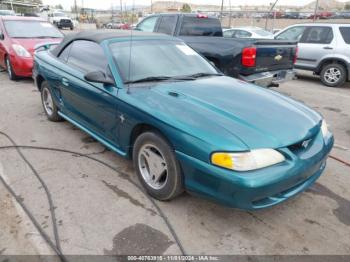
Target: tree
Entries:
(186, 8)
(347, 6)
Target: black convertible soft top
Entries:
(100, 35)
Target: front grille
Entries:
(301, 146)
(65, 21)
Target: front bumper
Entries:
(22, 66)
(267, 79)
(260, 188)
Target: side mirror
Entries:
(2, 37)
(99, 77)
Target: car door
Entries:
(316, 43)
(92, 105)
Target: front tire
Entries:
(48, 103)
(156, 166)
(333, 75)
(12, 75)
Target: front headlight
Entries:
(324, 128)
(246, 161)
(21, 51)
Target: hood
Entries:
(223, 110)
(30, 44)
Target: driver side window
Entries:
(148, 24)
(87, 56)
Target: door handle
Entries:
(65, 82)
(328, 48)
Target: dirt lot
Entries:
(102, 211)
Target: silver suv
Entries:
(323, 49)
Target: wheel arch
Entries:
(141, 128)
(39, 79)
(328, 61)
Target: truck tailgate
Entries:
(272, 55)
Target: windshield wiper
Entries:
(159, 78)
(198, 75)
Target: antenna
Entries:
(131, 42)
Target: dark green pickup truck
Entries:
(263, 62)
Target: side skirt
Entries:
(98, 138)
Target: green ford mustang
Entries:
(186, 126)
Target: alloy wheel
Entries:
(47, 101)
(332, 75)
(152, 166)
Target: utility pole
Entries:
(151, 6)
(222, 10)
(121, 9)
(76, 9)
(230, 14)
(316, 10)
(268, 14)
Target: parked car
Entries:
(291, 15)
(116, 25)
(248, 32)
(321, 15)
(341, 15)
(61, 20)
(259, 61)
(7, 13)
(18, 38)
(184, 125)
(323, 49)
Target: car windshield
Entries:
(31, 29)
(262, 32)
(58, 14)
(158, 59)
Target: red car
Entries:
(18, 38)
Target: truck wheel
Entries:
(156, 166)
(50, 108)
(12, 75)
(71, 28)
(333, 75)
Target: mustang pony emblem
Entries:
(278, 58)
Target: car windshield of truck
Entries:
(31, 29)
(200, 26)
(345, 32)
(159, 60)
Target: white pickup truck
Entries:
(61, 20)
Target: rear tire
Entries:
(12, 75)
(157, 167)
(333, 75)
(48, 103)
